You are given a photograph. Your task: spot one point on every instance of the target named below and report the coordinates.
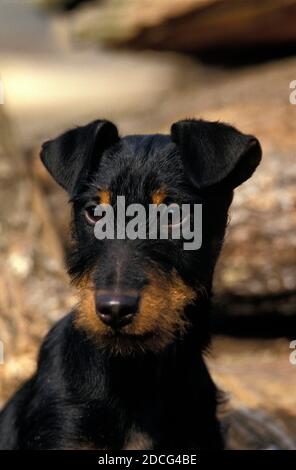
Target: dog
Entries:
(126, 369)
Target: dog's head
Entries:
(137, 293)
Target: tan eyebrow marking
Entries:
(159, 196)
(105, 196)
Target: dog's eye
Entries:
(90, 215)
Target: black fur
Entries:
(83, 395)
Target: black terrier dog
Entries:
(125, 370)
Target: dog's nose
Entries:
(116, 310)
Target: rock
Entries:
(190, 25)
(61, 4)
(33, 284)
(257, 378)
(255, 372)
(249, 429)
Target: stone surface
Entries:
(188, 25)
(33, 279)
(258, 380)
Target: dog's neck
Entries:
(122, 375)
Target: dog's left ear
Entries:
(75, 153)
(214, 153)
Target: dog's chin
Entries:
(123, 343)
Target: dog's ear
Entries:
(75, 153)
(215, 153)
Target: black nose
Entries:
(116, 310)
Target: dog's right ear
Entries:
(215, 155)
(74, 154)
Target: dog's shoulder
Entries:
(55, 338)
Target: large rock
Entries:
(61, 4)
(33, 290)
(190, 25)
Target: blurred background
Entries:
(145, 64)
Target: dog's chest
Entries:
(134, 438)
(137, 440)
